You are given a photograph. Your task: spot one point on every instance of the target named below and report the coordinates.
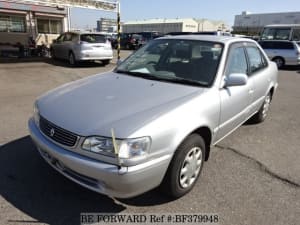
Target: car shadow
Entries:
(55, 62)
(150, 198)
(291, 68)
(34, 188)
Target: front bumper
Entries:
(108, 179)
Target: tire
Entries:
(279, 62)
(105, 62)
(72, 60)
(52, 54)
(261, 115)
(185, 167)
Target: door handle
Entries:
(250, 91)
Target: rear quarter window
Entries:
(283, 45)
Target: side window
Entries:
(267, 44)
(287, 45)
(61, 38)
(296, 35)
(256, 59)
(75, 37)
(237, 62)
(68, 37)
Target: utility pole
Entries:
(119, 30)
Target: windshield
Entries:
(296, 34)
(277, 33)
(93, 38)
(189, 62)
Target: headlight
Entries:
(99, 145)
(36, 114)
(128, 148)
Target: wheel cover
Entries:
(191, 167)
(266, 105)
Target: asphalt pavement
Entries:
(252, 176)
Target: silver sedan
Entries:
(153, 119)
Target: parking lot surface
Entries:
(252, 176)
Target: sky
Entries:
(212, 9)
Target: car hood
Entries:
(95, 105)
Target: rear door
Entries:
(258, 74)
(288, 50)
(57, 46)
(67, 45)
(235, 100)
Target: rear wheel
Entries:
(185, 167)
(279, 62)
(261, 115)
(105, 62)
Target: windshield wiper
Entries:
(161, 78)
(139, 74)
(185, 81)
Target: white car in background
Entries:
(76, 47)
(282, 52)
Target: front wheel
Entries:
(185, 167)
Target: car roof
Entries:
(276, 40)
(80, 33)
(212, 38)
(283, 25)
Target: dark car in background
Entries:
(130, 41)
(150, 35)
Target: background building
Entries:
(173, 25)
(252, 24)
(211, 25)
(107, 25)
(20, 22)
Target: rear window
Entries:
(93, 38)
(136, 36)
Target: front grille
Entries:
(57, 134)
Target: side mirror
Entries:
(235, 79)
(54, 41)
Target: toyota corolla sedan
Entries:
(151, 121)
